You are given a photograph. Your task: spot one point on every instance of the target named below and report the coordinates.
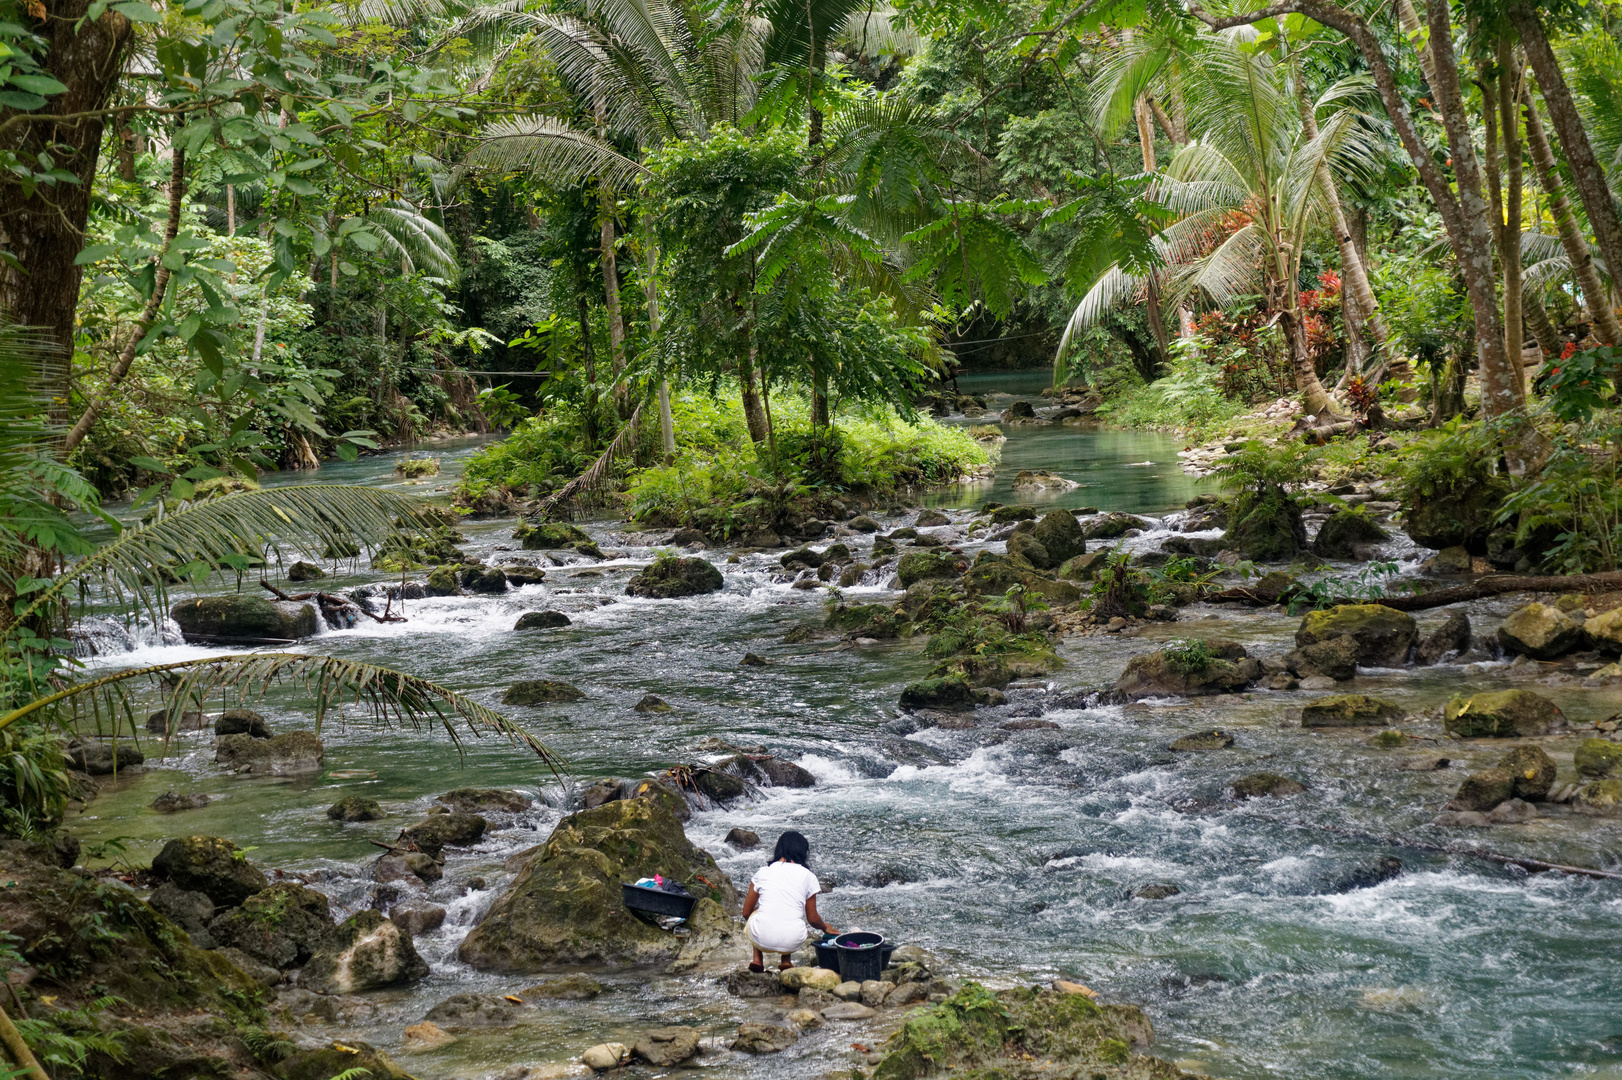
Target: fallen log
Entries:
(1494, 585)
(327, 600)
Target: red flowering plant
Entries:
(1580, 381)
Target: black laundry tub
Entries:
(642, 898)
(859, 956)
(828, 953)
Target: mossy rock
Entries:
(1484, 790)
(337, 1059)
(1540, 631)
(417, 468)
(1604, 631)
(1004, 515)
(1270, 530)
(483, 579)
(916, 566)
(994, 575)
(565, 906)
(1602, 798)
(292, 754)
(244, 617)
(1083, 567)
(355, 808)
(802, 558)
(415, 550)
(669, 579)
(434, 833)
(540, 692)
(863, 620)
(444, 581)
(364, 952)
(305, 571)
(1598, 758)
(1533, 770)
(1026, 546)
(549, 536)
(1215, 739)
(1061, 536)
(1344, 532)
(1503, 714)
(1383, 635)
(1162, 673)
(281, 926)
(1348, 710)
(1335, 658)
(210, 865)
(947, 694)
(486, 800)
(519, 576)
(1112, 526)
(1451, 518)
(1266, 784)
(541, 620)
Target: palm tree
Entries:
(1247, 193)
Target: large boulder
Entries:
(292, 754)
(1504, 714)
(1484, 790)
(281, 926)
(1540, 631)
(945, 694)
(1024, 545)
(1598, 758)
(1383, 635)
(1345, 535)
(916, 566)
(1335, 658)
(1189, 671)
(210, 865)
(1269, 531)
(436, 832)
(1112, 525)
(1061, 536)
(244, 617)
(365, 952)
(1533, 770)
(549, 536)
(1451, 638)
(541, 620)
(1451, 518)
(540, 692)
(715, 940)
(1348, 710)
(667, 579)
(565, 906)
(1605, 631)
(103, 757)
(767, 771)
(994, 575)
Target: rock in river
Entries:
(666, 1046)
(1533, 770)
(210, 865)
(355, 808)
(540, 692)
(245, 617)
(1334, 659)
(436, 832)
(1348, 710)
(549, 536)
(1202, 740)
(667, 579)
(102, 757)
(485, 800)
(281, 926)
(1502, 714)
(1059, 534)
(459, 1012)
(1259, 785)
(365, 952)
(1484, 790)
(1383, 634)
(1598, 758)
(1221, 668)
(1451, 638)
(541, 620)
(242, 722)
(1345, 533)
(1540, 631)
(291, 754)
(565, 906)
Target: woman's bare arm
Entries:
(750, 901)
(814, 919)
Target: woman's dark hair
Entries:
(794, 847)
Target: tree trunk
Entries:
(589, 363)
(1586, 171)
(149, 311)
(1509, 77)
(1537, 321)
(1578, 253)
(1314, 398)
(44, 233)
(753, 414)
(616, 324)
(650, 287)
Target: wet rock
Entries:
(743, 839)
(874, 991)
(1018, 410)
(281, 926)
(443, 581)
(292, 754)
(756, 1037)
(1451, 638)
(768, 771)
(436, 832)
(486, 800)
(158, 723)
(484, 580)
(191, 911)
(652, 703)
(1004, 515)
(1383, 635)
(908, 993)
(1428, 763)
(1059, 534)
(541, 620)
(518, 576)
(1540, 631)
(1346, 534)
(714, 939)
(916, 566)
(945, 694)
(816, 978)
(366, 952)
(337, 1059)
(1348, 710)
(1449, 560)
(419, 1038)
(173, 802)
(1157, 892)
(720, 786)
(305, 571)
(1502, 714)
(1484, 790)
(1533, 770)
(540, 692)
(752, 660)
(210, 865)
(800, 558)
(242, 722)
(1042, 480)
(667, 579)
(244, 617)
(577, 987)
(412, 864)
(565, 907)
(263, 974)
(1604, 631)
(550, 536)
(418, 920)
(686, 538)
(1365, 876)
(1460, 819)
(994, 575)
(1221, 668)
(741, 982)
(463, 1012)
(1111, 526)
(1026, 546)
(102, 757)
(1285, 681)
(1262, 784)
(1270, 531)
(605, 1056)
(863, 524)
(1335, 659)
(1083, 567)
(1598, 758)
(1202, 740)
(1601, 798)
(848, 991)
(1512, 812)
(848, 1010)
(666, 1046)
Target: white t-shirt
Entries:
(783, 888)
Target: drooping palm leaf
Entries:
(410, 235)
(103, 706)
(554, 151)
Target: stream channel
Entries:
(1011, 858)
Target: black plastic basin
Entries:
(657, 901)
(860, 956)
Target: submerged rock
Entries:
(173, 802)
(244, 617)
(1540, 631)
(461, 1012)
(667, 579)
(103, 757)
(541, 620)
(292, 754)
(1383, 635)
(565, 905)
(652, 703)
(1042, 480)
(1348, 710)
(540, 692)
(1202, 740)
(1345, 534)
(1502, 714)
(210, 865)
(365, 952)
(485, 800)
(1263, 784)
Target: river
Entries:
(1011, 858)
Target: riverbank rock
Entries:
(1202, 740)
(210, 865)
(281, 926)
(1348, 710)
(365, 952)
(1598, 758)
(191, 911)
(1450, 639)
(758, 1037)
(941, 694)
(916, 566)
(1347, 534)
(1602, 798)
(1059, 534)
(668, 579)
(292, 754)
(666, 1046)
(1533, 770)
(1484, 790)
(715, 940)
(102, 757)
(541, 620)
(1450, 518)
(436, 832)
(540, 692)
(244, 617)
(173, 802)
(1604, 631)
(1540, 631)
(1335, 659)
(1503, 714)
(1221, 668)
(355, 808)
(565, 906)
(1383, 635)
(1271, 531)
(1264, 784)
(242, 722)
(485, 800)
(1022, 1035)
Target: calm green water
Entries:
(1012, 857)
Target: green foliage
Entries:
(1189, 396)
(35, 785)
(1576, 498)
(1581, 383)
(64, 1040)
(1369, 583)
(1188, 655)
(1455, 458)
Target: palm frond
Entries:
(878, 31)
(415, 238)
(1109, 290)
(593, 476)
(554, 151)
(103, 706)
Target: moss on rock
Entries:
(916, 566)
(1598, 758)
(1383, 635)
(549, 536)
(1348, 710)
(540, 692)
(244, 617)
(669, 579)
(1501, 714)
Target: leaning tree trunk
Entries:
(754, 414)
(1510, 246)
(1314, 398)
(667, 424)
(616, 324)
(44, 231)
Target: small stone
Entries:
(752, 660)
(848, 991)
(1157, 892)
(874, 991)
(576, 987)
(605, 1056)
(743, 839)
(816, 978)
(173, 802)
(425, 1036)
(651, 703)
(355, 808)
(755, 1037)
(541, 620)
(804, 1018)
(1513, 812)
(1214, 739)
(1066, 987)
(1428, 763)
(1317, 682)
(848, 1010)
(666, 1046)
